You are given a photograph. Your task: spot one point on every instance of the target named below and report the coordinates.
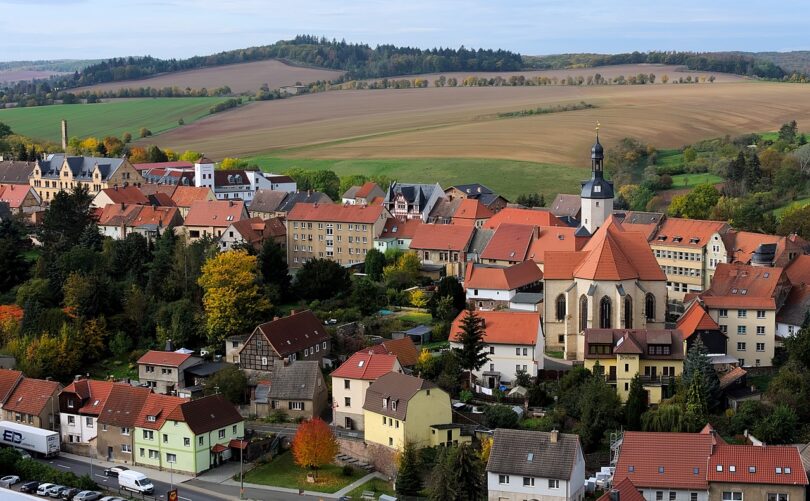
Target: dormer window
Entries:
(70, 403)
(597, 189)
(151, 419)
(385, 403)
(720, 467)
(394, 405)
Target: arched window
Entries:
(583, 313)
(649, 307)
(628, 312)
(561, 307)
(605, 313)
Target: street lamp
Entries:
(171, 474)
(241, 468)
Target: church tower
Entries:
(597, 193)
(204, 173)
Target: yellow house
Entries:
(655, 354)
(403, 409)
(58, 172)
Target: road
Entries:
(216, 492)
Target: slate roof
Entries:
(293, 333)
(206, 368)
(398, 388)
(444, 209)
(30, 396)
(123, 405)
(413, 193)
(480, 240)
(442, 237)
(366, 365)
(164, 358)
(532, 217)
(696, 318)
(9, 379)
(368, 214)
(267, 200)
(744, 286)
(14, 172)
(215, 213)
(533, 454)
(682, 456)
(404, 349)
(772, 464)
(298, 381)
(503, 327)
(483, 276)
(81, 167)
(635, 341)
(206, 414)
(303, 197)
(168, 190)
(565, 205)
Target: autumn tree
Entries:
(314, 445)
(418, 298)
(404, 272)
(190, 156)
(137, 154)
(473, 354)
(697, 204)
(232, 301)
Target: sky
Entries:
(92, 29)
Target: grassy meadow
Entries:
(109, 118)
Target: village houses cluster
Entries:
(631, 291)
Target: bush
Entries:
(538, 424)
(278, 416)
(144, 132)
(347, 470)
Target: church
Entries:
(613, 282)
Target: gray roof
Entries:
(413, 193)
(511, 450)
(206, 369)
(419, 330)
(565, 205)
(82, 167)
(351, 192)
(445, 208)
(480, 239)
(303, 197)
(527, 298)
(638, 217)
(13, 172)
(398, 389)
(267, 200)
(297, 381)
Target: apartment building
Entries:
(58, 172)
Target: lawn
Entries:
(120, 368)
(691, 180)
(669, 158)
(283, 472)
(510, 178)
(376, 485)
(796, 203)
(415, 317)
(109, 118)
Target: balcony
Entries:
(646, 380)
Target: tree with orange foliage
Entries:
(137, 154)
(314, 445)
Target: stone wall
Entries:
(382, 458)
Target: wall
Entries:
(301, 235)
(489, 299)
(112, 437)
(750, 354)
(504, 360)
(79, 428)
(357, 394)
(382, 458)
(680, 495)
(515, 491)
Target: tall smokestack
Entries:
(64, 136)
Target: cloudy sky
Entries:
(78, 29)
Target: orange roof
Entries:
(366, 189)
(741, 246)
(404, 349)
(772, 464)
(397, 228)
(126, 195)
(256, 229)
(165, 358)
(156, 409)
(554, 238)
(532, 217)
(509, 243)
(31, 396)
(116, 215)
(798, 271)
(611, 254)
(346, 213)
(216, 213)
(481, 276)
(14, 195)
(153, 189)
(472, 210)
(184, 196)
(503, 327)
(93, 392)
(694, 319)
(740, 285)
(160, 216)
(366, 365)
(626, 490)
(442, 237)
(731, 377)
(8, 381)
(644, 454)
(693, 233)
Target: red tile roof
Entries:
(256, 229)
(696, 318)
(8, 381)
(397, 228)
(14, 195)
(509, 243)
(31, 396)
(532, 217)
(164, 358)
(745, 286)
(366, 365)
(404, 349)
(479, 276)
(368, 214)
(94, 393)
(126, 195)
(156, 410)
(627, 492)
(740, 245)
(554, 238)
(293, 333)
(165, 165)
(442, 237)
(184, 196)
(691, 233)
(471, 210)
(160, 216)
(772, 464)
(215, 213)
(798, 271)
(366, 190)
(153, 189)
(123, 405)
(503, 327)
(683, 457)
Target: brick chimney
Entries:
(555, 436)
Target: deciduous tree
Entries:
(374, 264)
(231, 382)
(314, 445)
(321, 279)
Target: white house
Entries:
(350, 382)
(515, 342)
(238, 184)
(491, 286)
(535, 465)
(80, 404)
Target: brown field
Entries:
(242, 77)
(459, 122)
(674, 72)
(11, 76)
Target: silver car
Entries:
(87, 496)
(56, 490)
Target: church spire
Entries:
(597, 156)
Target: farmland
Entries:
(111, 118)
(243, 77)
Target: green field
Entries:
(796, 203)
(669, 158)
(691, 180)
(111, 118)
(510, 178)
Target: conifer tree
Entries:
(472, 355)
(636, 404)
(409, 481)
(697, 362)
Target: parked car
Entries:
(23, 454)
(111, 498)
(87, 496)
(69, 493)
(114, 471)
(135, 481)
(10, 479)
(42, 490)
(30, 486)
(56, 491)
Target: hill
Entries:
(242, 77)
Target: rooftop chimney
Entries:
(555, 436)
(169, 345)
(614, 495)
(64, 136)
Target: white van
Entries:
(135, 481)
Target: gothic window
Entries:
(605, 313)
(583, 313)
(628, 312)
(561, 307)
(649, 307)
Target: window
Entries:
(165, 438)
(583, 313)
(171, 458)
(186, 442)
(491, 350)
(347, 384)
(126, 448)
(693, 496)
(760, 330)
(264, 360)
(742, 313)
(124, 431)
(777, 497)
(503, 479)
(760, 346)
(347, 401)
(153, 454)
(553, 483)
(659, 495)
(221, 433)
(390, 441)
(605, 313)
(323, 345)
(71, 420)
(148, 435)
(528, 482)
(200, 440)
(296, 406)
(517, 351)
(740, 346)
(233, 429)
(741, 329)
(628, 312)
(525, 352)
(732, 496)
(672, 495)
(561, 307)
(760, 313)
(723, 313)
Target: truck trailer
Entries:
(39, 442)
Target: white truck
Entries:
(39, 442)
